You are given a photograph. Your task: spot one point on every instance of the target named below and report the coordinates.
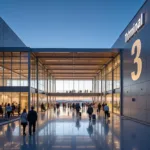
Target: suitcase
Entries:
(108, 114)
(80, 114)
(93, 117)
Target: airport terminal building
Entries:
(119, 76)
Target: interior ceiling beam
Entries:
(64, 77)
(73, 58)
(66, 64)
(89, 69)
(65, 57)
(75, 75)
(74, 78)
(70, 73)
(68, 77)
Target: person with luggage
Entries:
(99, 108)
(82, 105)
(13, 109)
(78, 109)
(54, 107)
(106, 111)
(57, 105)
(103, 106)
(73, 105)
(32, 118)
(90, 111)
(1, 110)
(24, 120)
(43, 108)
(19, 109)
(8, 110)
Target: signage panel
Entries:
(135, 28)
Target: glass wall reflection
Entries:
(13, 69)
(15, 98)
(116, 103)
(73, 86)
(109, 84)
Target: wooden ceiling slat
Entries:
(75, 64)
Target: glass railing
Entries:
(74, 91)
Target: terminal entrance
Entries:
(78, 76)
(30, 78)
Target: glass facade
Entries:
(15, 98)
(116, 103)
(108, 84)
(31, 83)
(13, 69)
(43, 83)
(116, 74)
(14, 76)
(73, 86)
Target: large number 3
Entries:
(137, 60)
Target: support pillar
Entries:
(112, 87)
(37, 81)
(105, 83)
(121, 82)
(47, 88)
(29, 79)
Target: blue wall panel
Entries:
(7, 37)
(139, 89)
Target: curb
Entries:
(10, 121)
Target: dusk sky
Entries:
(68, 23)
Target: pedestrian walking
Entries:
(90, 111)
(1, 110)
(13, 107)
(77, 109)
(19, 109)
(106, 111)
(32, 118)
(24, 121)
(99, 108)
(8, 110)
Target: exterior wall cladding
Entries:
(7, 37)
(136, 94)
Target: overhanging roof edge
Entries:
(74, 50)
(15, 49)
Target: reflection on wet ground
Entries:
(63, 130)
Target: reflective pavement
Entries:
(62, 130)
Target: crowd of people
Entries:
(90, 108)
(43, 107)
(9, 110)
(30, 118)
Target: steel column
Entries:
(105, 82)
(101, 86)
(121, 82)
(112, 87)
(29, 79)
(37, 81)
(47, 88)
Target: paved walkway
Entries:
(64, 131)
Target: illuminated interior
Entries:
(60, 76)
